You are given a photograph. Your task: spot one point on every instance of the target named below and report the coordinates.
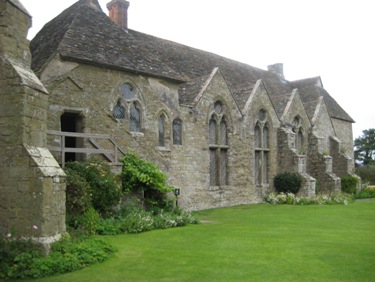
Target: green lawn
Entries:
(249, 243)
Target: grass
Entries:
(248, 243)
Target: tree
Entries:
(364, 151)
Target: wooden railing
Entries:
(112, 155)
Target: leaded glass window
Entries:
(218, 147)
(257, 136)
(213, 167)
(299, 141)
(135, 118)
(223, 133)
(212, 131)
(298, 131)
(161, 127)
(262, 115)
(177, 132)
(265, 137)
(119, 111)
(127, 91)
(258, 168)
(261, 144)
(218, 108)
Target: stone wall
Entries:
(186, 165)
(32, 185)
(290, 161)
(320, 167)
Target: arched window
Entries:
(262, 149)
(299, 141)
(218, 147)
(135, 118)
(161, 129)
(298, 131)
(177, 131)
(127, 91)
(128, 106)
(119, 110)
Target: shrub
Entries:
(288, 182)
(140, 176)
(138, 220)
(349, 184)
(89, 221)
(291, 199)
(23, 259)
(367, 173)
(104, 191)
(78, 196)
(365, 193)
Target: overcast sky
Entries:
(326, 38)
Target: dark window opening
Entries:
(72, 122)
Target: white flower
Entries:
(8, 235)
(35, 227)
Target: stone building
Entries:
(32, 184)
(221, 129)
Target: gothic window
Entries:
(298, 131)
(177, 132)
(161, 129)
(299, 142)
(218, 147)
(127, 91)
(128, 107)
(135, 118)
(262, 149)
(119, 111)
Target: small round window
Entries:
(127, 92)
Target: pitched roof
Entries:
(19, 5)
(85, 34)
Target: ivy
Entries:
(141, 176)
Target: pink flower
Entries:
(9, 235)
(35, 227)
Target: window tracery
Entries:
(262, 149)
(128, 106)
(218, 147)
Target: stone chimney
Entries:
(118, 12)
(277, 69)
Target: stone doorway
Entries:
(72, 122)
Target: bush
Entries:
(104, 191)
(365, 193)
(23, 259)
(291, 199)
(78, 194)
(349, 184)
(367, 173)
(288, 182)
(138, 220)
(89, 221)
(140, 176)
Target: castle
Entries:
(219, 128)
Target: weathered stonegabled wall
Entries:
(290, 161)
(323, 127)
(32, 187)
(344, 133)
(240, 188)
(260, 101)
(292, 156)
(320, 167)
(92, 92)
